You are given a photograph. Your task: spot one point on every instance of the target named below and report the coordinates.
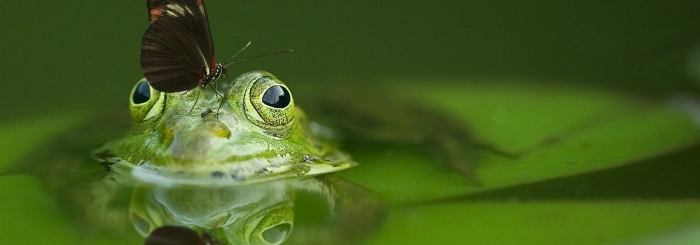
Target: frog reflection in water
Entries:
(263, 212)
(255, 134)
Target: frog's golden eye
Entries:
(145, 102)
(270, 103)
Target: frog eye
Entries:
(270, 103)
(277, 96)
(145, 102)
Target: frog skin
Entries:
(254, 133)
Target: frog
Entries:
(254, 132)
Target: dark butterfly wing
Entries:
(177, 49)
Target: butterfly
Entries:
(177, 52)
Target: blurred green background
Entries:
(59, 56)
(75, 53)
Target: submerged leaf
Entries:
(560, 131)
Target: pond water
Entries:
(588, 92)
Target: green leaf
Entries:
(591, 129)
(596, 130)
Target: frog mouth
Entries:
(239, 172)
(207, 153)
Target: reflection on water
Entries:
(316, 210)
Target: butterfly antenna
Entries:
(195, 100)
(258, 56)
(221, 104)
(239, 51)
